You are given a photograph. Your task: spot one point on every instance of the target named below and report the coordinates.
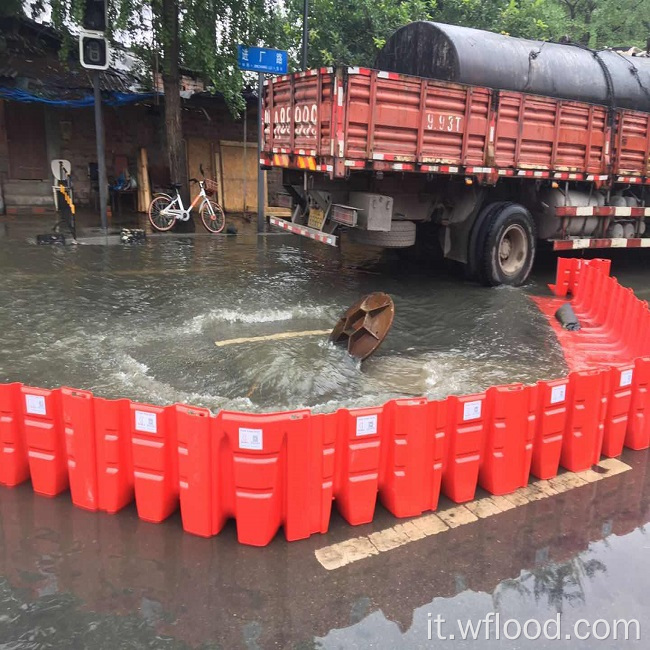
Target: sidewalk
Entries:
(88, 224)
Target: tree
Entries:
(603, 23)
(196, 35)
(352, 32)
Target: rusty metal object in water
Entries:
(365, 325)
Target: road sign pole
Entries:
(305, 33)
(101, 155)
(261, 217)
(261, 60)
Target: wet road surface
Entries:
(140, 321)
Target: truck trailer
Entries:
(469, 144)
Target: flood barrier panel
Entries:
(79, 427)
(14, 465)
(551, 418)
(583, 437)
(155, 461)
(509, 436)
(465, 433)
(115, 476)
(44, 438)
(618, 408)
(413, 456)
(637, 435)
(359, 437)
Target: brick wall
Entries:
(70, 134)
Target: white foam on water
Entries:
(132, 379)
(200, 322)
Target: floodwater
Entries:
(140, 321)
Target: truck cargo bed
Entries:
(338, 121)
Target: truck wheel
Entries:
(506, 246)
(400, 235)
(477, 238)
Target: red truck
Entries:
(552, 146)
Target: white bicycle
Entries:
(165, 210)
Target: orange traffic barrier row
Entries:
(268, 471)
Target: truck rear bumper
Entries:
(305, 231)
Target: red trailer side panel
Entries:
(298, 114)
(633, 144)
(414, 120)
(544, 133)
(355, 119)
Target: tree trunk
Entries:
(173, 123)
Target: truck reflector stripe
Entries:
(601, 211)
(312, 233)
(480, 170)
(615, 242)
(568, 176)
(629, 179)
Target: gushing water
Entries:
(141, 321)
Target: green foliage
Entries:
(603, 23)
(10, 7)
(350, 32)
(353, 31)
(209, 31)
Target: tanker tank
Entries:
(476, 57)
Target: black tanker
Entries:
(473, 56)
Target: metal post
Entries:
(305, 33)
(101, 156)
(261, 217)
(245, 147)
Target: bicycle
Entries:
(165, 210)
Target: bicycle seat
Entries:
(176, 186)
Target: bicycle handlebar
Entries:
(193, 180)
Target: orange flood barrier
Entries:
(42, 420)
(14, 467)
(155, 461)
(509, 435)
(285, 470)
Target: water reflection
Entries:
(153, 580)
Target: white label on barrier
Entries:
(366, 425)
(35, 404)
(251, 438)
(626, 377)
(145, 421)
(472, 410)
(558, 394)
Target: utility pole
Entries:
(101, 153)
(94, 56)
(305, 33)
(261, 194)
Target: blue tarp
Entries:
(112, 98)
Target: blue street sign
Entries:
(262, 59)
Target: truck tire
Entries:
(505, 246)
(401, 235)
(477, 237)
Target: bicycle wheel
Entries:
(213, 219)
(160, 221)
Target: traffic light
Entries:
(94, 18)
(93, 51)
